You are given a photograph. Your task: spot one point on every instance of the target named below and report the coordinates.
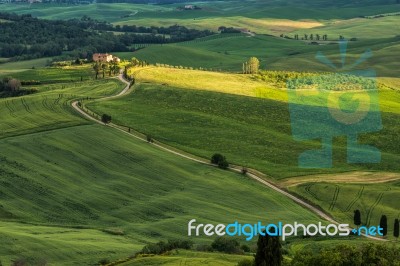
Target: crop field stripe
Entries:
(371, 209)
(358, 196)
(308, 190)
(335, 196)
(10, 109)
(25, 105)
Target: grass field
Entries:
(73, 193)
(373, 200)
(129, 13)
(11, 68)
(115, 187)
(190, 258)
(228, 52)
(204, 122)
(360, 28)
(50, 108)
(65, 199)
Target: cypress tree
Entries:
(357, 218)
(383, 225)
(269, 251)
(396, 231)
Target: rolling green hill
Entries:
(50, 108)
(373, 200)
(249, 131)
(64, 178)
(211, 15)
(228, 52)
(74, 193)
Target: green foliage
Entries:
(384, 225)
(280, 78)
(161, 247)
(226, 245)
(83, 37)
(216, 158)
(396, 230)
(367, 254)
(357, 217)
(245, 248)
(251, 66)
(105, 118)
(220, 160)
(149, 139)
(269, 251)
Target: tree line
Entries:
(383, 223)
(26, 37)
(11, 87)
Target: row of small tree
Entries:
(311, 37)
(251, 66)
(383, 223)
(111, 67)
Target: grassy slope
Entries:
(361, 28)
(116, 185)
(190, 258)
(50, 108)
(62, 184)
(228, 52)
(373, 200)
(11, 68)
(207, 122)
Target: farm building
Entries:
(105, 58)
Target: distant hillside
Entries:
(341, 3)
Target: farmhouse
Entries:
(105, 58)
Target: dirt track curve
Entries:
(237, 169)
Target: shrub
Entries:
(162, 247)
(245, 248)
(106, 119)
(149, 139)
(223, 164)
(220, 160)
(216, 158)
(226, 245)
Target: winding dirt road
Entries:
(237, 169)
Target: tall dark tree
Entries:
(384, 225)
(357, 218)
(396, 230)
(269, 251)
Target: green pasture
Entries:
(228, 53)
(50, 107)
(190, 258)
(373, 200)
(249, 131)
(360, 28)
(93, 179)
(12, 68)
